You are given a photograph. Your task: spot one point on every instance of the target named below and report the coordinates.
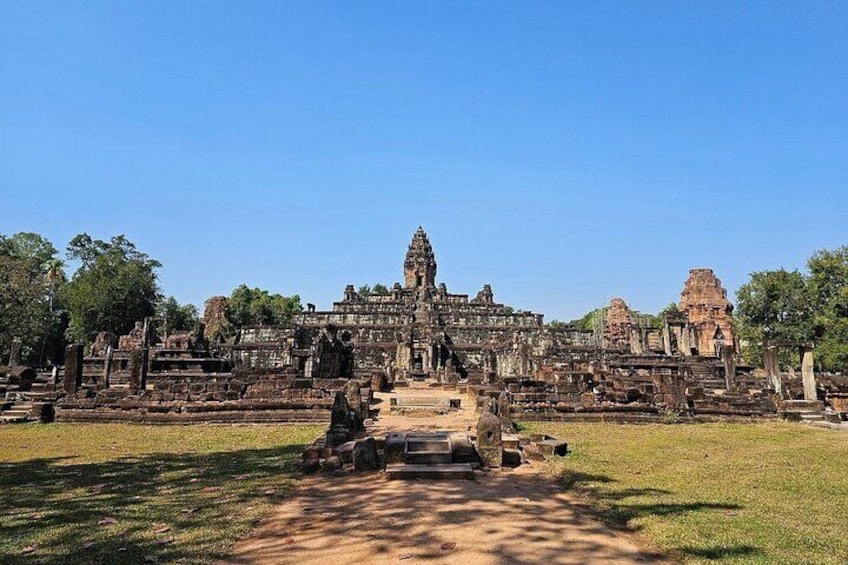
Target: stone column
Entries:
(145, 353)
(489, 441)
(807, 375)
(636, 341)
(770, 367)
(666, 337)
(107, 366)
(505, 412)
(15, 352)
(135, 371)
(685, 342)
(73, 368)
(728, 355)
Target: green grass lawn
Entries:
(117, 493)
(715, 493)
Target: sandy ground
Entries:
(502, 517)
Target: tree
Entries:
(30, 275)
(592, 319)
(670, 310)
(827, 288)
(378, 289)
(773, 305)
(257, 307)
(556, 325)
(30, 246)
(177, 317)
(114, 287)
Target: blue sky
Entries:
(563, 152)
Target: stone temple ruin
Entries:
(420, 334)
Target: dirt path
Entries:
(503, 517)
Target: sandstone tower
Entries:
(419, 268)
(704, 301)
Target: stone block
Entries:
(395, 447)
(338, 436)
(511, 458)
(345, 451)
(365, 455)
(533, 453)
(332, 463)
(552, 446)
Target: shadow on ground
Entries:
(515, 518)
(156, 508)
(615, 508)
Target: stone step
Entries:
(12, 419)
(800, 405)
(430, 472)
(428, 444)
(428, 457)
(16, 412)
(812, 416)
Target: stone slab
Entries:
(430, 472)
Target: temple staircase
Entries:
(427, 456)
(14, 412)
(809, 411)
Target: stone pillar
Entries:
(135, 371)
(666, 337)
(145, 353)
(489, 441)
(107, 366)
(807, 375)
(728, 355)
(770, 366)
(340, 422)
(353, 394)
(54, 379)
(15, 352)
(73, 368)
(505, 412)
(636, 341)
(685, 342)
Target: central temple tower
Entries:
(419, 267)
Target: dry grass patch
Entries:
(117, 493)
(715, 493)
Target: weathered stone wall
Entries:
(234, 398)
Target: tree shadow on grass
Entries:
(609, 505)
(160, 508)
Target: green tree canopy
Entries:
(176, 317)
(556, 325)
(377, 290)
(772, 305)
(591, 319)
(114, 287)
(255, 307)
(827, 288)
(29, 246)
(30, 275)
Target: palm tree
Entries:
(54, 273)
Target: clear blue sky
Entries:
(564, 152)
